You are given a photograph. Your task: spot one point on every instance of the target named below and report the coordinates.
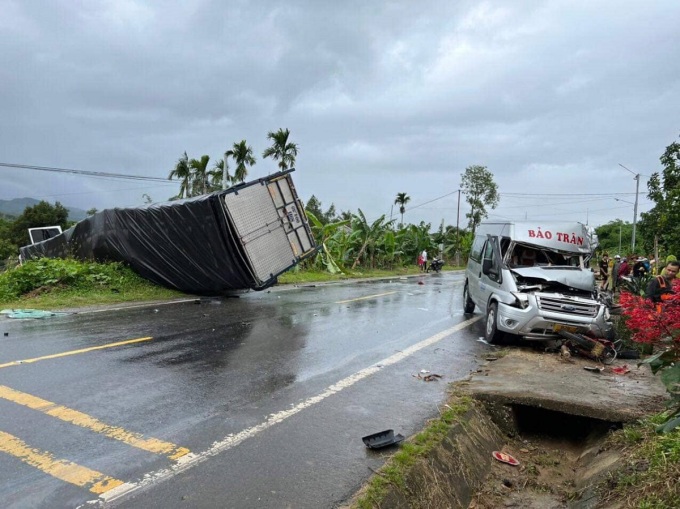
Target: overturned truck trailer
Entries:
(239, 238)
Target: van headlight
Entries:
(521, 300)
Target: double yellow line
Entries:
(94, 481)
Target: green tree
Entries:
(243, 157)
(182, 172)
(402, 200)
(480, 191)
(614, 234)
(281, 150)
(92, 211)
(7, 248)
(42, 214)
(200, 177)
(663, 220)
(314, 206)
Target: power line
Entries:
(95, 174)
(566, 194)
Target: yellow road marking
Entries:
(65, 470)
(86, 421)
(361, 298)
(75, 352)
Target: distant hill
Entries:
(17, 206)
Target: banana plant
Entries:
(322, 234)
(367, 235)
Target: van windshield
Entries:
(526, 255)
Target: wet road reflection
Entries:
(218, 367)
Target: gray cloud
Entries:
(381, 97)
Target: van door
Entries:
(491, 276)
(474, 267)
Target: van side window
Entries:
(505, 243)
(476, 251)
(488, 251)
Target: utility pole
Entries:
(458, 232)
(224, 172)
(635, 208)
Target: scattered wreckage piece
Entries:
(427, 376)
(382, 439)
(504, 458)
(240, 238)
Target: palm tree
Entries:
(243, 157)
(281, 149)
(402, 200)
(199, 175)
(183, 173)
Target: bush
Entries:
(48, 274)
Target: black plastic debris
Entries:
(382, 439)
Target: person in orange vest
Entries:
(660, 287)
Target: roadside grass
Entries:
(301, 276)
(58, 284)
(394, 472)
(651, 467)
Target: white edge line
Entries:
(131, 306)
(191, 460)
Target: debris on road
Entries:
(23, 314)
(594, 369)
(382, 439)
(621, 370)
(427, 376)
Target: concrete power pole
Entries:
(635, 207)
(458, 232)
(224, 172)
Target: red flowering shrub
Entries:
(659, 325)
(649, 325)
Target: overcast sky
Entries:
(381, 98)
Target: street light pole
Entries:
(637, 189)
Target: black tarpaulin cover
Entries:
(188, 245)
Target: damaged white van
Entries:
(531, 280)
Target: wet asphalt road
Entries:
(259, 401)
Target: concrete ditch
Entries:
(548, 413)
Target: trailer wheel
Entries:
(491, 332)
(468, 305)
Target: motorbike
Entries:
(436, 265)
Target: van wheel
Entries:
(491, 333)
(468, 305)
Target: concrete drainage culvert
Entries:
(550, 415)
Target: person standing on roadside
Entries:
(423, 255)
(614, 267)
(660, 287)
(639, 267)
(624, 269)
(669, 258)
(604, 270)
